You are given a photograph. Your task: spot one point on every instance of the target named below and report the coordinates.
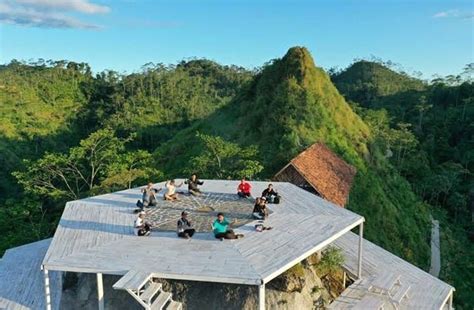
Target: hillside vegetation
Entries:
(290, 105)
(225, 121)
(437, 156)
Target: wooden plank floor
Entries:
(95, 235)
(21, 278)
(426, 291)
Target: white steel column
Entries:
(361, 237)
(450, 307)
(344, 279)
(261, 296)
(46, 289)
(100, 291)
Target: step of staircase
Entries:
(150, 292)
(161, 301)
(174, 305)
(133, 280)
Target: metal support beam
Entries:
(261, 296)
(344, 279)
(47, 289)
(361, 237)
(100, 291)
(450, 305)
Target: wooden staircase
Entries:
(147, 292)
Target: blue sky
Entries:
(431, 36)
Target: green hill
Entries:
(38, 105)
(288, 106)
(440, 163)
(365, 82)
(280, 109)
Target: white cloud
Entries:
(440, 15)
(454, 14)
(48, 13)
(83, 6)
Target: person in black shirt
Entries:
(193, 183)
(184, 226)
(260, 211)
(271, 195)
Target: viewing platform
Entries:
(96, 235)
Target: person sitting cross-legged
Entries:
(142, 228)
(184, 228)
(271, 195)
(193, 183)
(149, 195)
(171, 190)
(243, 190)
(260, 211)
(221, 229)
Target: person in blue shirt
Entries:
(221, 229)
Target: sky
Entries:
(429, 36)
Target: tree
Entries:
(99, 157)
(130, 167)
(331, 260)
(402, 140)
(225, 160)
(422, 107)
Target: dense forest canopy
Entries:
(67, 133)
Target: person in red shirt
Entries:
(243, 190)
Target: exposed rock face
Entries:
(299, 288)
(80, 292)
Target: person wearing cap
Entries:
(260, 211)
(243, 190)
(193, 183)
(221, 229)
(142, 228)
(271, 195)
(184, 226)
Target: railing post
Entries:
(361, 237)
(47, 289)
(100, 291)
(261, 296)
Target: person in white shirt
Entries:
(171, 190)
(142, 228)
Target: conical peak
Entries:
(297, 62)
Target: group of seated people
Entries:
(220, 226)
(244, 191)
(149, 198)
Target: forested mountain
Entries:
(438, 150)
(49, 106)
(440, 161)
(38, 104)
(367, 81)
(226, 121)
(288, 106)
